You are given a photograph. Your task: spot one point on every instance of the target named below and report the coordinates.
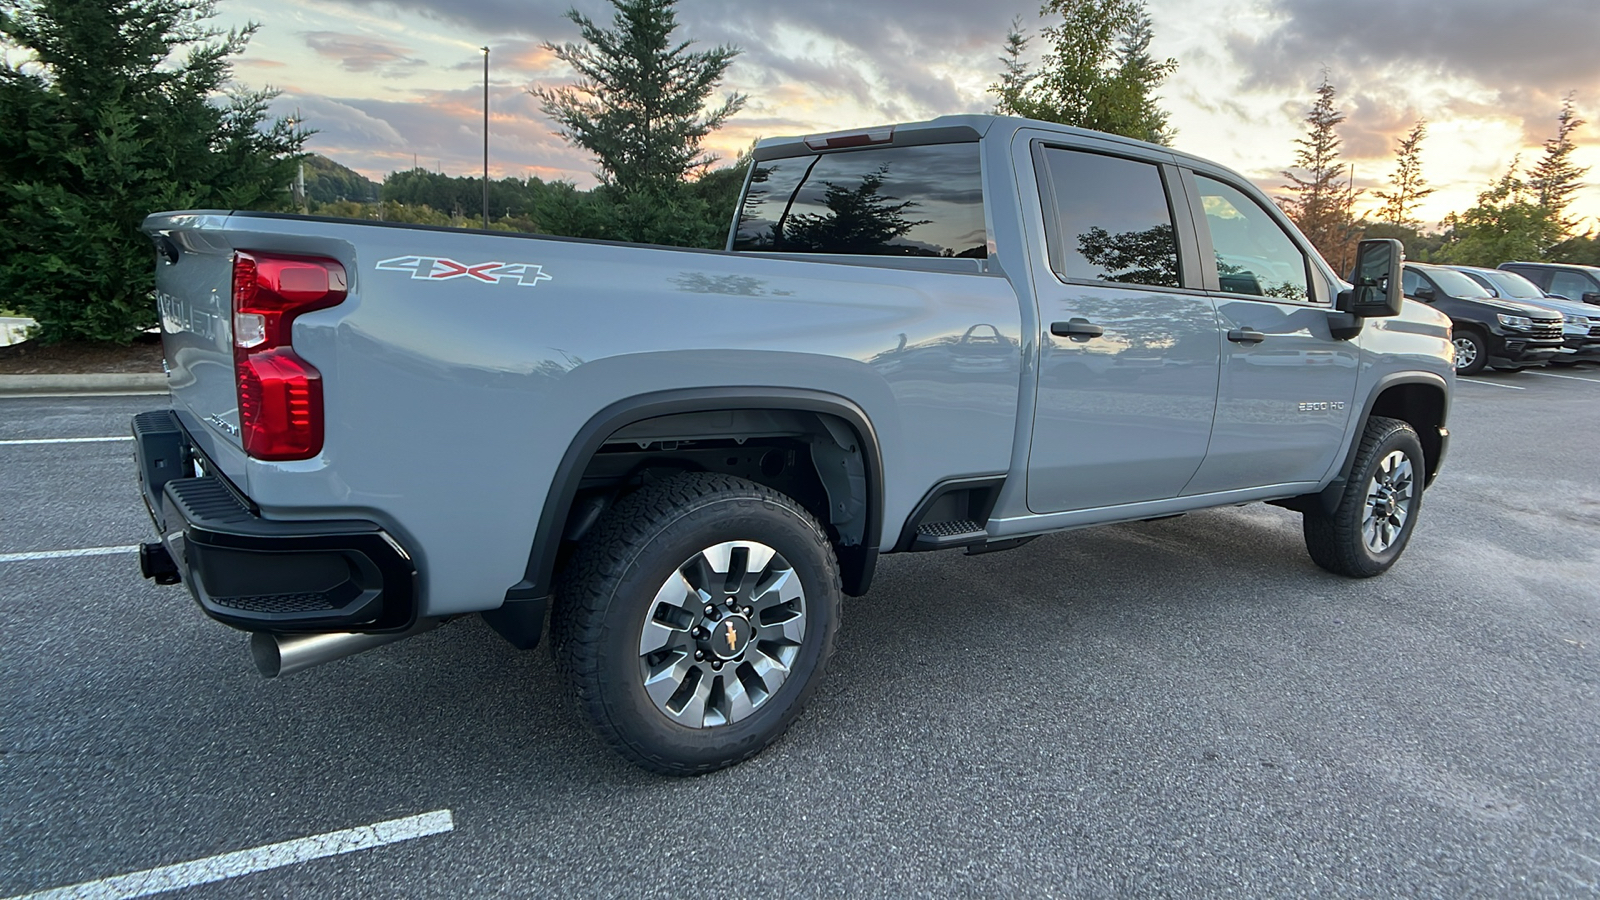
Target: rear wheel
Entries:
(696, 619)
(1370, 527)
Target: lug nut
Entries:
(698, 632)
(711, 610)
(746, 610)
(699, 654)
(716, 664)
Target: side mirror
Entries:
(1592, 297)
(1377, 280)
(1426, 294)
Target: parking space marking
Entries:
(259, 859)
(66, 554)
(1568, 377)
(90, 440)
(1509, 387)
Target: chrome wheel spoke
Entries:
(1390, 494)
(722, 633)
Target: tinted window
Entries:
(1411, 282)
(1111, 220)
(1570, 285)
(1509, 284)
(1254, 254)
(900, 201)
(1458, 285)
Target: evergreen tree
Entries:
(1014, 77)
(113, 114)
(1098, 73)
(1555, 178)
(1507, 223)
(640, 102)
(1321, 200)
(1408, 185)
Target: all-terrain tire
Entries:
(1342, 542)
(610, 594)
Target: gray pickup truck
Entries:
(959, 333)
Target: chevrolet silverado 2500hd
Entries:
(959, 333)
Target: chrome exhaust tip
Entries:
(285, 654)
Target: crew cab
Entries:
(962, 333)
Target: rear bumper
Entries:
(261, 574)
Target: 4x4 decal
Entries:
(435, 268)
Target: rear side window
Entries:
(1111, 221)
(890, 201)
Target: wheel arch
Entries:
(1421, 399)
(857, 563)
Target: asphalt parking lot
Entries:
(1186, 707)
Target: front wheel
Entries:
(1472, 352)
(1369, 528)
(696, 620)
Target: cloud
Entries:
(361, 53)
(896, 55)
(1524, 56)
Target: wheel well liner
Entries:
(856, 563)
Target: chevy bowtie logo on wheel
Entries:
(435, 268)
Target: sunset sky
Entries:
(388, 81)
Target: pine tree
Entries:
(640, 102)
(1321, 202)
(1098, 73)
(1409, 187)
(113, 114)
(1555, 178)
(1014, 76)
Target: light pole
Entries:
(485, 137)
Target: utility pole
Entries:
(485, 138)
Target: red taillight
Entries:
(280, 394)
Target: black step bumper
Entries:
(261, 574)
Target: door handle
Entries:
(1246, 336)
(1076, 327)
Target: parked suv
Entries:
(1487, 331)
(1574, 282)
(1581, 323)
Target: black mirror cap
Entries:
(1377, 280)
(1592, 297)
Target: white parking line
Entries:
(260, 859)
(1509, 387)
(93, 440)
(1568, 377)
(66, 554)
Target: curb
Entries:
(105, 383)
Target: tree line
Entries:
(1523, 214)
(119, 108)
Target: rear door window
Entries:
(1111, 221)
(890, 201)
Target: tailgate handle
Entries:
(1077, 328)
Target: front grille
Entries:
(1545, 330)
(1594, 331)
(279, 603)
